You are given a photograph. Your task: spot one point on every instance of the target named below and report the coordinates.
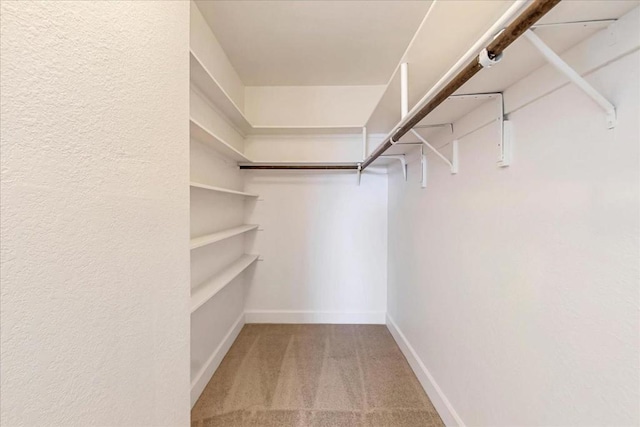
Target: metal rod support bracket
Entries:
(454, 157)
(505, 149)
(436, 125)
(359, 173)
(402, 159)
(365, 147)
(423, 167)
(453, 164)
(505, 127)
(560, 65)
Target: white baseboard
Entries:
(439, 400)
(207, 371)
(375, 318)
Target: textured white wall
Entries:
(95, 220)
(324, 247)
(518, 287)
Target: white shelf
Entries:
(307, 130)
(208, 289)
(210, 87)
(221, 190)
(199, 132)
(198, 242)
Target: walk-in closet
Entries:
(320, 213)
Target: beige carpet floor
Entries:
(314, 375)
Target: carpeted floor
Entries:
(314, 375)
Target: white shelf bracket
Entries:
(436, 125)
(506, 144)
(359, 173)
(402, 159)
(365, 147)
(423, 164)
(404, 89)
(454, 157)
(506, 135)
(555, 60)
(453, 164)
(504, 126)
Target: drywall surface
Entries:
(517, 288)
(304, 148)
(95, 220)
(323, 245)
(310, 105)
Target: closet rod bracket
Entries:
(402, 159)
(559, 64)
(365, 147)
(504, 126)
(453, 163)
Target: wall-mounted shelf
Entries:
(199, 132)
(221, 190)
(211, 287)
(198, 242)
(306, 130)
(210, 87)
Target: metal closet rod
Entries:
(300, 166)
(536, 10)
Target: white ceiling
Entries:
(301, 43)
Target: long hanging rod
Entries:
(492, 53)
(300, 166)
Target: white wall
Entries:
(310, 105)
(95, 237)
(517, 288)
(324, 247)
(304, 148)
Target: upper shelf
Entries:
(221, 190)
(306, 130)
(198, 132)
(210, 87)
